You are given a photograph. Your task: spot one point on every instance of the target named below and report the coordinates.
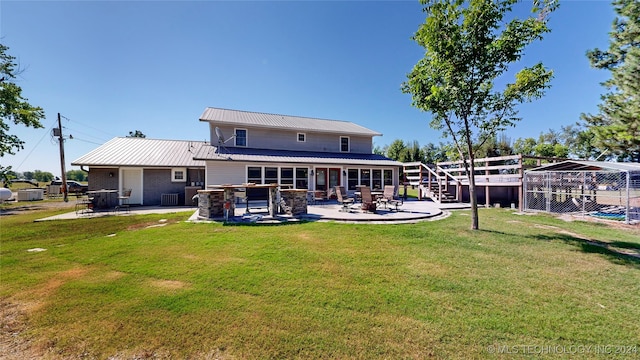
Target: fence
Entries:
(613, 195)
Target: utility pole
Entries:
(62, 166)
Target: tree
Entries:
(617, 124)
(77, 175)
(136, 134)
(413, 153)
(549, 144)
(433, 154)
(396, 149)
(495, 146)
(13, 108)
(580, 141)
(467, 47)
(28, 175)
(42, 176)
(378, 150)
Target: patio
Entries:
(410, 211)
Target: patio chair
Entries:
(367, 199)
(343, 200)
(123, 200)
(388, 197)
(84, 205)
(319, 197)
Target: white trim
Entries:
(246, 138)
(304, 137)
(263, 166)
(173, 174)
(121, 180)
(348, 144)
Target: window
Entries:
(302, 178)
(302, 137)
(365, 177)
(179, 175)
(344, 144)
(388, 177)
(270, 175)
(352, 179)
(254, 174)
(286, 176)
(377, 179)
(241, 137)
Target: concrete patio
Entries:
(411, 211)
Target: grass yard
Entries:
(139, 287)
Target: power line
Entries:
(84, 133)
(87, 141)
(38, 143)
(89, 126)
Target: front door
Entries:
(132, 179)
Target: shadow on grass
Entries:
(240, 222)
(614, 250)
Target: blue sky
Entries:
(154, 66)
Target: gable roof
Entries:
(257, 119)
(583, 165)
(127, 151)
(210, 153)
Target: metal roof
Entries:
(286, 156)
(583, 165)
(127, 151)
(257, 119)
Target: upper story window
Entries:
(241, 137)
(302, 137)
(344, 144)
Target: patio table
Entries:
(104, 198)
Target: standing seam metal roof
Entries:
(583, 165)
(125, 151)
(287, 156)
(248, 118)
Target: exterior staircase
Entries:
(433, 182)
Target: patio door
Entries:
(321, 179)
(327, 178)
(334, 178)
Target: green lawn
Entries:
(131, 287)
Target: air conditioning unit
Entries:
(169, 200)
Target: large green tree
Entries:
(617, 124)
(468, 45)
(13, 109)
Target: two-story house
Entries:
(293, 151)
(245, 147)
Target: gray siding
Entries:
(235, 173)
(195, 176)
(280, 139)
(99, 178)
(158, 182)
(225, 173)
